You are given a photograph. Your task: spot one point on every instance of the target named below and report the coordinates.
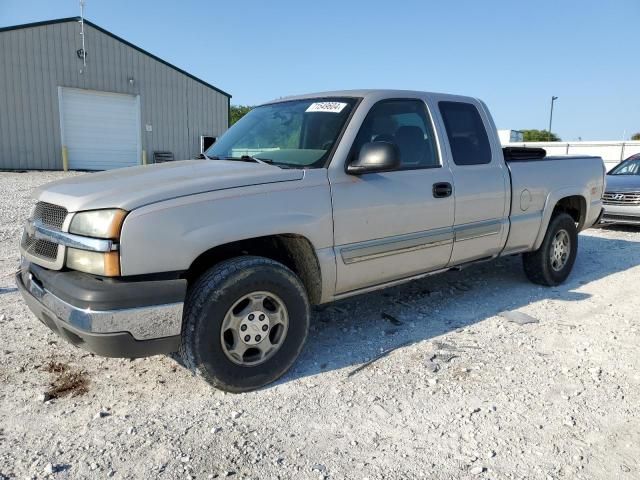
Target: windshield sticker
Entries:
(330, 107)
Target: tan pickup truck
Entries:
(304, 201)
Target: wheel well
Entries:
(294, 251)
(576, 206)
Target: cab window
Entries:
(405, 123)
(467, 136)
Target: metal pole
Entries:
(84, 52)
(553, 99)
(65, 158)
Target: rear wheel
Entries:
(245, 323)
(552, 263)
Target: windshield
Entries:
(299, 133)
(631, 166)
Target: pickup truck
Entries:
(305, 200)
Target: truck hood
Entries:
(623, 183)
(133, 187)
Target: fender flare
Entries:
(550, 204)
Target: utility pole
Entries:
(553, 99)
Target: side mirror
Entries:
(375, 157)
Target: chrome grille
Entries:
(40, 248)
(621, 198)
(49, 214)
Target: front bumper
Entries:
(629, 214)
(103, 319)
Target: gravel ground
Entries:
(470, 393)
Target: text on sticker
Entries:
(330, 107)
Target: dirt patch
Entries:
(56, 367)
(67, 381)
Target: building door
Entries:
(101, 130)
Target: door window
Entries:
(467, 135)
(405, 123)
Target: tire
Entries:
(216, 296)
(541, 266)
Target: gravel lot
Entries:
(469, 394)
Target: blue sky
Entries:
(512, 54)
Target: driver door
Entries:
(398, 224)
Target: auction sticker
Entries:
(330, 107)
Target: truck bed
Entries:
(538, 182)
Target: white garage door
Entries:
(101, 130)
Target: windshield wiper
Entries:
(249, 158)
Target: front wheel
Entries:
(245, 323)
(552, 263)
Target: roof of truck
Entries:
(377, 92)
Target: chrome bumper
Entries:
(629, 214)
(615, 218)
(142, 323)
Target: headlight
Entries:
(104, 264)
(98, 223)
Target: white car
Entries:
(622, 194)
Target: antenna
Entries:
(84, 52)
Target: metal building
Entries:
(109, 105)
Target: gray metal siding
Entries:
(34, 61)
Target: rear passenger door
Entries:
(396, 224)
(481, 182)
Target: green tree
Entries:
(635, 136)
(540, 136)
(237, 112)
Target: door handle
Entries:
(442, 190)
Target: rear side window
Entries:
(467, 135)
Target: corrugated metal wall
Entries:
(34, 61)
